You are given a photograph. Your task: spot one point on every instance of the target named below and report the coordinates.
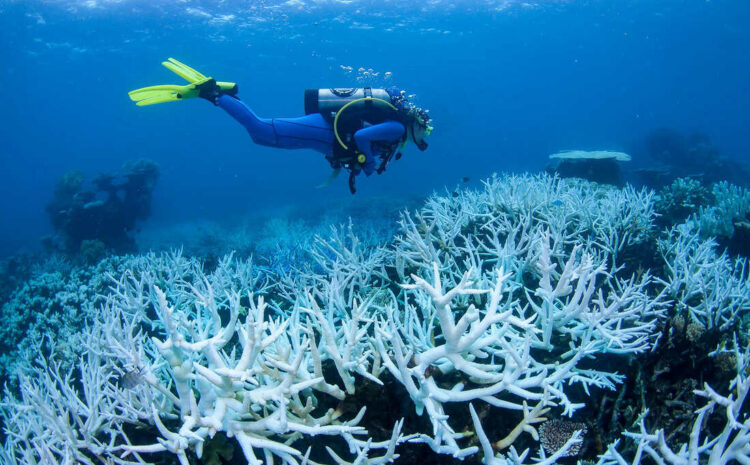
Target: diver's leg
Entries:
(260, 129)
(307, 132)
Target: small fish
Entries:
(556, 203)
(455, 194)
(465, 179)
(131, 379)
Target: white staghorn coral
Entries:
(712, 287)
(490, 344)
(499, 299)
(718, 220)
(728, 444)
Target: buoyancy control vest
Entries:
(348, 111)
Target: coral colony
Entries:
(493, 319)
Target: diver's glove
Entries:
(200, 86)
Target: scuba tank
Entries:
(328, 102)
(349, 110)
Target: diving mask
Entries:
(427, 129)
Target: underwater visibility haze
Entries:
(545, 260)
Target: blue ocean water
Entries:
(507, 83)
(502, 299)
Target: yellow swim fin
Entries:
(170, 92)
(184, 71)
(165, 93)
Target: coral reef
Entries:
(45, 313)
(721, 218)
(718, 428)
(680, 199)
(675, 154)
(280, 237)
(535, 314)
(712, 288)
(598, 166)
(720, 211)
(107, 213)
(14, 271)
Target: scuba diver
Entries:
(360, 130)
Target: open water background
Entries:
(507, 84)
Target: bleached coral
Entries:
(252, 378)
(732, 205)
(621, 314)
(499, 299)
(728, 443)
(486, 335)
(498, 222)
(712, 287)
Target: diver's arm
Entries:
(389, 131)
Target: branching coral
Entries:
(728, 444)
(677, 201)
(712, 287)
(507, 300)
(732, 205)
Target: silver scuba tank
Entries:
(328, 101)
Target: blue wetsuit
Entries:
(314, 132)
